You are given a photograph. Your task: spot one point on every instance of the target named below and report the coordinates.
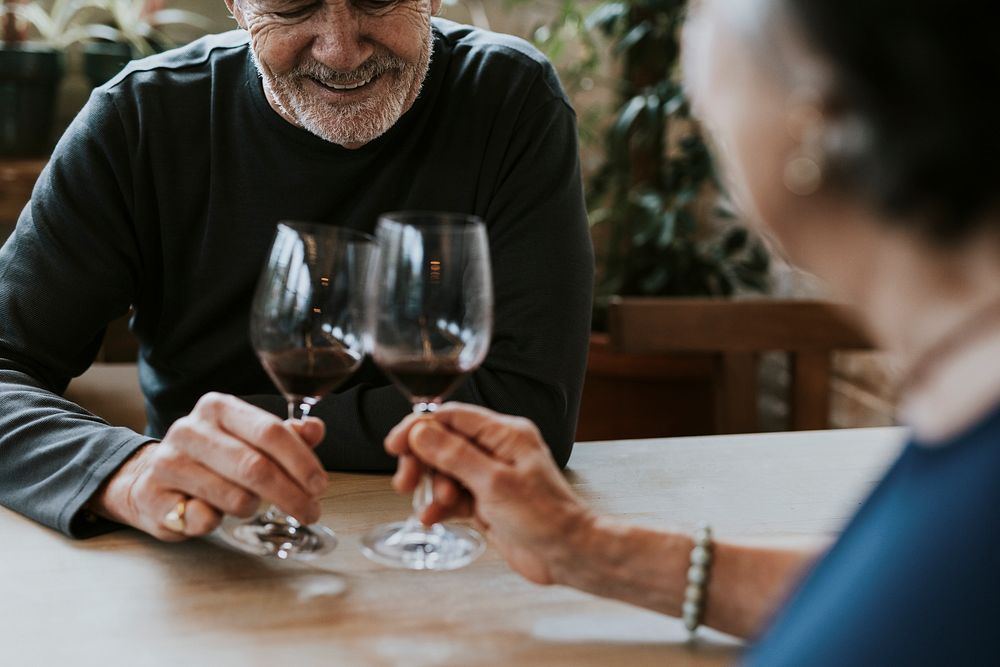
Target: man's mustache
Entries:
(375, 66)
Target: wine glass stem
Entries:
(423, 495)
(296, 411)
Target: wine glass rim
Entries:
(318, 227)
(431, 219)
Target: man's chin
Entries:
(346, 133)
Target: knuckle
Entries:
(500, 482)
(254, 468)
(495, 430)
(241, 503)
(170, 466)
(183, 428)
(271, 431)
(165, 458)
(527, 428)
(211, 403)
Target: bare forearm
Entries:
(648, 568)
(749, 583)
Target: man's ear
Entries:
(435, 7)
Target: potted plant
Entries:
(30, 72)
(652, 200)
(132, 29)
(657, 212)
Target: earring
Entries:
(803, 174)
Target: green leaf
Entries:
(655, 281)
(668, 226)
(606, 17)
(633, 37)
(626, 119)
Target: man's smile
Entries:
(346, 87)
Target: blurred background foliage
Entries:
(657, 211)
(659, 217)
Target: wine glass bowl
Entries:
(433, 315)
(309, 327)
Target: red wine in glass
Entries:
(426, 380)
(433, 318)
(309, 373)
(309, 325)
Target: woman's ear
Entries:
(237, 13)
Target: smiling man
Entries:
(322, 71)
(162, 197)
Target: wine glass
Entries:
(309, 327)
(433, 311)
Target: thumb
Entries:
(454, 455)
(310, 429)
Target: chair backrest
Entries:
(119, 345)
(737, 331)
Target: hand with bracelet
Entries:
(498, 470)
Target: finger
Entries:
(408, 474)
(436, 512)
(446, 490)
(506, 437)
(453, 454)
(310, 429)
(246, 467)
(200, 518)
(275, 438)
(164, 503)
(195, 480)
(396, 442)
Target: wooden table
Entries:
(125, 599)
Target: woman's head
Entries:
(889, 105)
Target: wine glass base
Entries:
(411, 545)
(263, 536)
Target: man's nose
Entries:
(341, 41)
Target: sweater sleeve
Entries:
(69, 268)
(543, 274)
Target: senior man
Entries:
(162, 197)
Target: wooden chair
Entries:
(736, 332)
(110, 387)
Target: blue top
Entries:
(915, 577)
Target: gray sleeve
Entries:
(69, 268)
(543, 275)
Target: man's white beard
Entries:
(359, 122)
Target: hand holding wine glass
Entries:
(308, 325)
(433, 311)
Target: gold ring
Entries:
(174, 520)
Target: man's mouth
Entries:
(346, 87)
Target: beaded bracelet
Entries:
(697, 578)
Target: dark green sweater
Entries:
(163, 196)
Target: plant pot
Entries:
(29, 86)
(103, 60)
